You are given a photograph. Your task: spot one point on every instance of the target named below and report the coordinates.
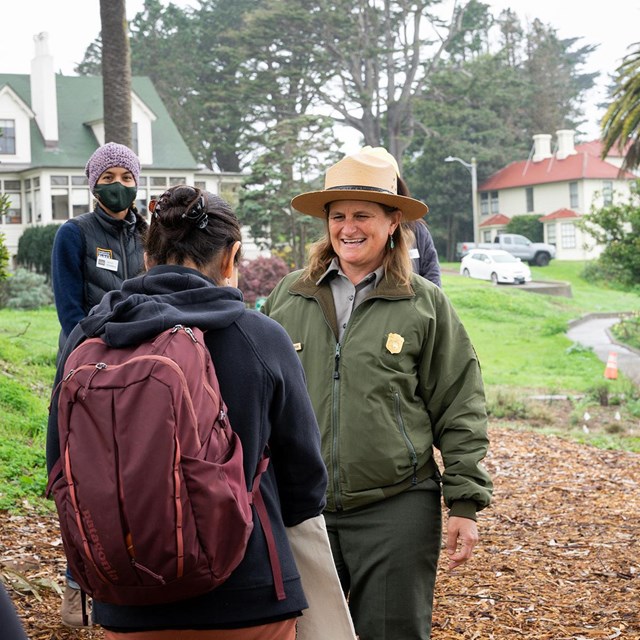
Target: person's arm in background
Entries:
(427, 262)
(9, 620)
(67, 276)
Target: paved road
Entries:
(592, 332)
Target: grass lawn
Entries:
(28, 347)
(519, 336)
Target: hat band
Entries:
(357, 187)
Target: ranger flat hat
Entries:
(360, 176)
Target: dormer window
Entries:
(8, 137)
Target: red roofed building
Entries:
(560, 186)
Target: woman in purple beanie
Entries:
(93, 254)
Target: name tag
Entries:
(414, 253)
(102, 262)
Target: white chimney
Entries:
(541, 147)
(566, 146)
(44, 100)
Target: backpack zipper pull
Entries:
(190, 333)
(99, 367)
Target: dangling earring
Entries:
(392, 244)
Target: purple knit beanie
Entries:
(111, 155)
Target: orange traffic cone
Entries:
(611, 370)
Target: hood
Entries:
(160, 299)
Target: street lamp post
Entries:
(471, 167)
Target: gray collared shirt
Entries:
(346, 295)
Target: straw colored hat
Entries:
(361, 176)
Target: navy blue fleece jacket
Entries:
(263, 385)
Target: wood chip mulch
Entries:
(559, 557)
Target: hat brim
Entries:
(313, 203)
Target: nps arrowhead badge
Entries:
(394, 343)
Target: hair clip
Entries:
(197, 213)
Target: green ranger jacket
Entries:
(405, 378)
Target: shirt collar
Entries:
(334, 269)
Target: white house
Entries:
(50, 125)
(560, 186)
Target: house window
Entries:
(59, 204)
(70, 197)
(551, 233)
(29, 208)
(173, 181)
(494, 202)
(14, 212)
(8, 137)
(484, 204)
(486, 236)
(158, 181)
(11, 189)
(80, 202)
(134, 137)
(200, 184)
(568, 235)
(573, 195)
(607, 192)
(529, 195)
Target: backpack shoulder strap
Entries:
(263, 516)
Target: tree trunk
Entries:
(116, 72)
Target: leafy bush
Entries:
(34, 248)
(4, 259)
(617, 226)
(26, 290)
(528, 226)
(258, 277)
(628, 330)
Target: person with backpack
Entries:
(188, 292)
(93, 254)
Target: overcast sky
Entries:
(73, 24)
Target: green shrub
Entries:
(26, 290)
(527, 225)
(4, 259)
(628, 330)
(553, 326)
(34, 248)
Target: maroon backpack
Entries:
(150, 487)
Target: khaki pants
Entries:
(327, 617)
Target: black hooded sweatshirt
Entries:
(262, 382)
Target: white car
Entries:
(496, 265)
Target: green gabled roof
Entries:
(80, 103)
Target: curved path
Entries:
(593, 331)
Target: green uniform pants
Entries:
(386, 555)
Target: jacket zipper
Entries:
(125, 269)
(334, 416)
(413, 457)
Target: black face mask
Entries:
(115, 196)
